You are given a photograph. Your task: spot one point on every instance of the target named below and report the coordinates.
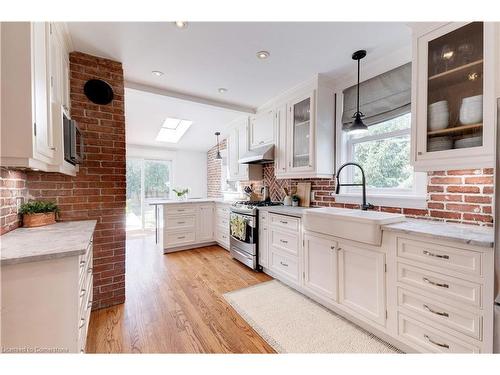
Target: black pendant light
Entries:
(357, 125)
(218, 156)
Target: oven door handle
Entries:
(240, 241)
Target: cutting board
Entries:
(304, 193)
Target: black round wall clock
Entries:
(98, 91)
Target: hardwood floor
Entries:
(174, 304)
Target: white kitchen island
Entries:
(191, 223)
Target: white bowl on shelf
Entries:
(471, 110)
(438, 120)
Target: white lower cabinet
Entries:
(222, 213)
(263, 239)
(362, 281)
(320, 266)
(188, 225)
(205, 225)
(46, 304)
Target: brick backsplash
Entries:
(98, 190)
(457, 196)
(12, 192)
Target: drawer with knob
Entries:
(285, 222)
(179, 238)
(285, 265)
(180, 209)
(445, 257)
(440, 284)
(285, 241)
(430, 339)
(180, 222)
(458, 319)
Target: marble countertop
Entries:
(63, 239)
(461, 233)
(162, 202)
(286, 210)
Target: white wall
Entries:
(189, 168)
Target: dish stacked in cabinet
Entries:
(222, 213)
(284, 244)
(443, 299)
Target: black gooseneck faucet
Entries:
(365, 206)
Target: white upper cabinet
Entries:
(262, 129)
(280, 150)
(453, 96)
(305, 126)
(237, 144)
(35, 75)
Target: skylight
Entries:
(173, 129)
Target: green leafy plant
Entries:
(295, 198)
(180, 192)
(38, 207)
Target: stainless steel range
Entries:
(244, 229)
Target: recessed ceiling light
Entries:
(181, 24)
(263, 55)
(157, 73)
(222, 90)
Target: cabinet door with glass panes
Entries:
(301, 133)
(454, 95)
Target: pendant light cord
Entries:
(358, 89)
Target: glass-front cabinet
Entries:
(453, 94)
(301, 120)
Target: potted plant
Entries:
(38, 213)
(295, 200)
(181, 193)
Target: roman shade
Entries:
(381, 98)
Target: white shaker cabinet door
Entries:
(262, 129)
(362, 281)
(320, 266)
(41, 82)
(205, 230)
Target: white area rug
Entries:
(292, 323)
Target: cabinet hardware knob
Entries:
(283, 222)
(53, 148)
(332, 247)
(284, 264)
(283, 241)
(82, 292)
(436, 255)
(435, 283)
(419, 153)
(445, 314)
(82, 263)
(436, 343)
(89, 305)
(180, 238)
(83, 322)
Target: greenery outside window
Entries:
(384, 153)
(147, 180)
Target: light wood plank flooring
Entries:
(174, 304)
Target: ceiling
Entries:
(145, 113)
(205, 56)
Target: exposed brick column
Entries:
(98, 190)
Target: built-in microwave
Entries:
(73, 141)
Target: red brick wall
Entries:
(12, 192)
(459, 196)
(214, 171)
(98, 190)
